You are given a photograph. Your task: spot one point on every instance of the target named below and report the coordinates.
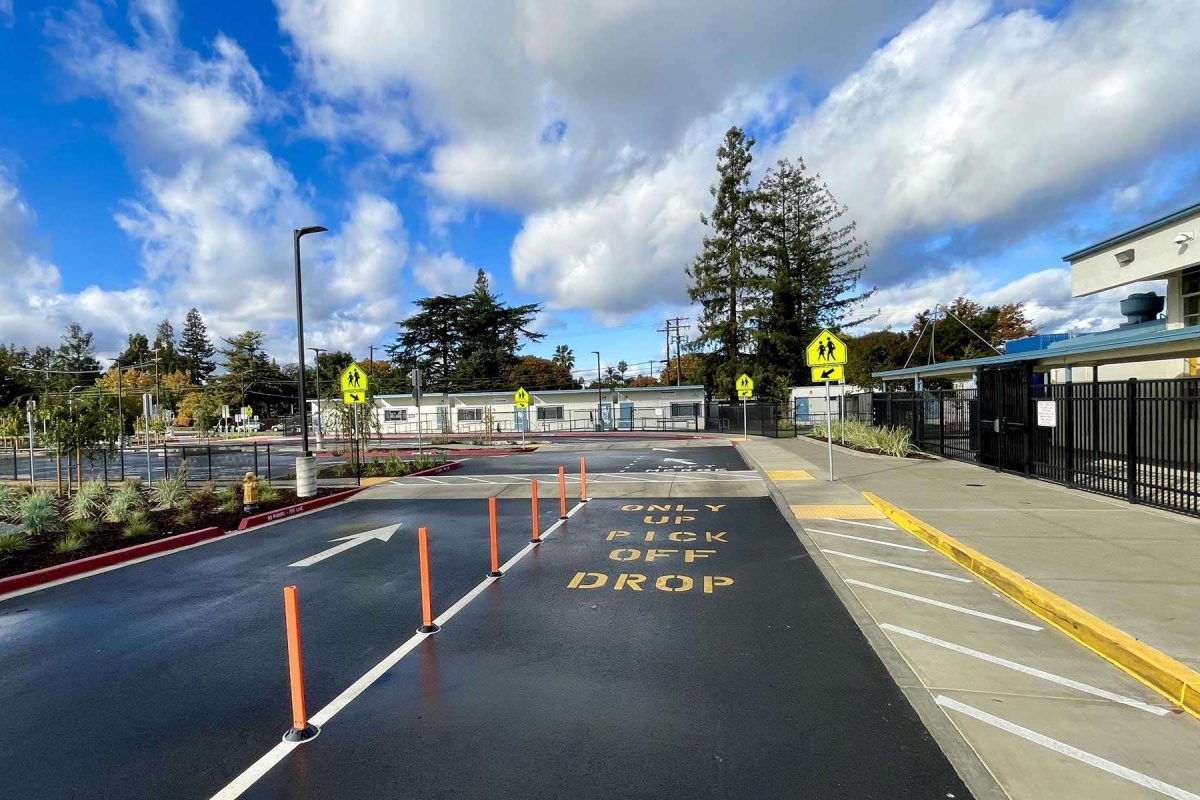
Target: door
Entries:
(800, 415)
(522, 419)
(1004, 424)
(606, 416)
(626, 420)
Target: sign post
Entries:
(30, 407)
(147, 410)
(826, 355)
(745, 390)
(415, 376)
(521, 401)
(355, 387)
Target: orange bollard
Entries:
(562, 492)
(301, 731)
(427, 625)
(495, 573)
(583, 479)
(533, 496)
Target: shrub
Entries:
(12, 542)
(137, 526)
(133, 482)
(69, 543)
(39, 513)
(123, 504)
(205, 493)
(83, 527)
(267, 493)
(88, 502)
(10, 500)
(889, 441)
(229, 499)
(170, 493)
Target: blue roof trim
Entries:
(1149, 333)
(1113, 241)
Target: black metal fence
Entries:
(221, 463)
(1138, 440)
(755, 419)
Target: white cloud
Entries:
(536, 102)
(443, 274)
(968, 117)
(215, 210)
(1046, 295)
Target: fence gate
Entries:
(1004, 418)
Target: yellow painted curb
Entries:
(1177, 682)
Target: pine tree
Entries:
(137, 350)
(164, 348)
(810, 261)
(723, 281)
(246, 364)
(76, 355)
(196, 349)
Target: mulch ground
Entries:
(166, 523)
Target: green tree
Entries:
(246, 364)
(533, 373)
(77, 356)
(164, 346)
(875, 351)
(431, 340)
(811, 262)
(565, 356)
(196, 349)
(137, 351)
(722, 277)
(966, 328)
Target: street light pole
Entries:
(320, 427)
(599, 395)
(306, 479)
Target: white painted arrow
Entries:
(680, 461)
(382, 534)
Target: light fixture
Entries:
(1125, 257)
(1183, 237)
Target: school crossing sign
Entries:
(521, 398)
(745, 386)
(825, 351)
(354, 385)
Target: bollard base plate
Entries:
(305, 734)
(495, 574)
(429, 628)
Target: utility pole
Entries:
(667, 364)
(678, 353)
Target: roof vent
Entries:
(1141, 307)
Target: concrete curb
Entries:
(1176, 681)
(299, 508)
(25, 580)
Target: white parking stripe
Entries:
(1037, 673)
(948, 606)
(1154, 784)
(863, 524)
(477, 480)
(872, 541)
(889, 564)
(432, 480)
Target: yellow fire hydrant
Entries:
(250, 492)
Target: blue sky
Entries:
(154, 156)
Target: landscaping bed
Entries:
(41, 530)
(883, 441)
(390, 467)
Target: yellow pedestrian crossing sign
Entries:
(521, 398)
(354, 398)
(354, 380)
(825, 351)
(745, 386)
(834, 373)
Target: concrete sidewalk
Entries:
(1132, 566)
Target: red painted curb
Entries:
(26, 579)
(449, 466)
(298, 508)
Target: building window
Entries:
(1191, 296)
(395, 415)
(685, 409)
(470, 415)
(549, 412)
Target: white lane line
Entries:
(889, 564)
(930, 601)
(872, 541)
(863, 524)
(433, 480)
(1154, 784)
(263, 765)
(1037, 673)
(477, 480)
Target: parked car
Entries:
(250, 427)
(286, 428)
